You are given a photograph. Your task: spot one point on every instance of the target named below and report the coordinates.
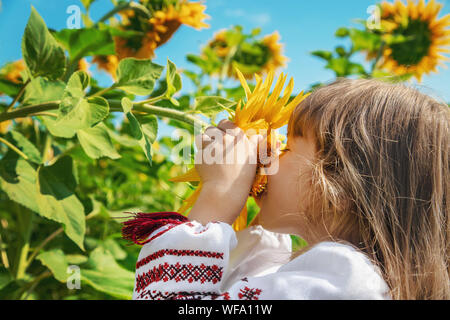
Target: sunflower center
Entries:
(253, 54)
(413, 50)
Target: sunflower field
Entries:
(76, 155)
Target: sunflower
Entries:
(108, 63)
(425, 36)
(83, 65)
(165, 22)
(219, 43)
(260, 111)
(12, 71)
(159, 28)
(250, 55)
(153, 32)
(276, 52)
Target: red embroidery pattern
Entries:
(182, 295)
(161, 232)
(178, 253)
(203, 229)
(179, 272)
(249, 294)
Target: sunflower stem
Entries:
(225, 67)
(102, 91)
(25, 219)
(150, 100)
(17, 97)
(379, 55)
(115, 106)
(14, 148)
(22, 112)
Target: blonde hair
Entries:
(381, 179)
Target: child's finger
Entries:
(230, 128)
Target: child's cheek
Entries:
(282, 185)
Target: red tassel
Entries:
(139, 228)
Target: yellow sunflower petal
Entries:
(274, 96)
(189, 202)
(190, 175)
(280, 103)
(241, 222)
(284, 116)
(243, 83)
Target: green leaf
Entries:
(76, 258)
(364, 40)
(48, 192)
(87, 3)
(5, 277)
(115, 31)
(123, 139)
(297, 243)
(149, 125)
(206, 65)
(195, 78)
(342, 32)
(114, 248)
(137, 76)
(75, 111)
(13, 290)
(18, 180)
(339, 66)
(9, 88)
(237, 93)
(389, 77)
(173, 80)
(96, 142)
(105, 275)
(212, 105)
(78, 82)
(41, 52)
(86, 42)
(183, 103)
(356, 68)
(57, 199)
(41, 90)
(56, 261)
(252, 209)
(326, 55)
(340, 50)
(144, 137)
(26, 147)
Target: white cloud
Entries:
(259, 19)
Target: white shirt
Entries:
(192, 261)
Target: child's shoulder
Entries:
(333, 257)
(343, 266)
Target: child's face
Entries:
(284, 202)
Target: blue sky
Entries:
(304, 26)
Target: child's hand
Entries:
(226, 163)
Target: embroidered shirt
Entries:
(192, 261)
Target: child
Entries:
(364, 180)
